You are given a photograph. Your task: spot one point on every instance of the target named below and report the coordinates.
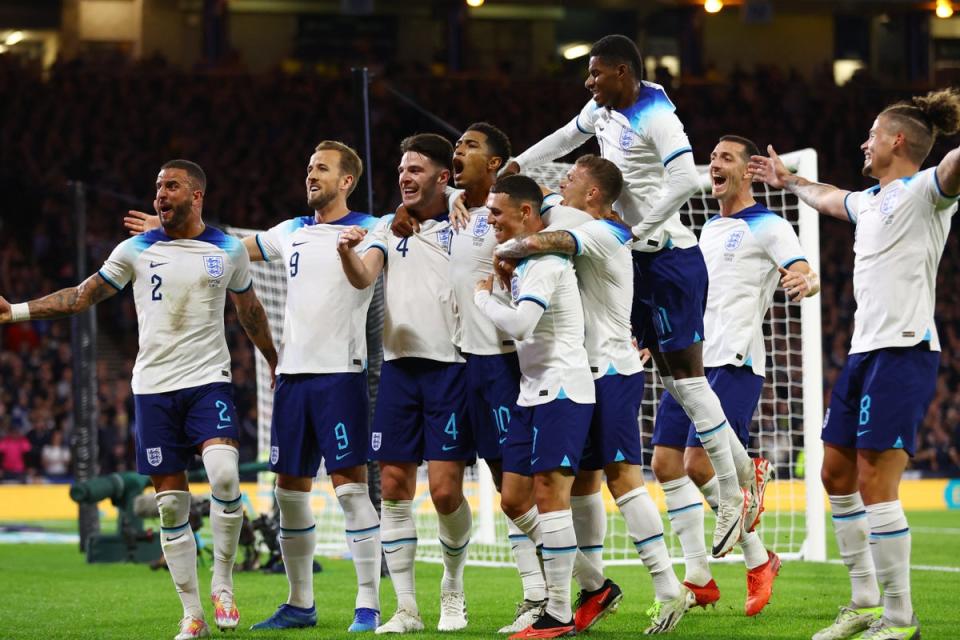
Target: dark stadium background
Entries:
(105, 91)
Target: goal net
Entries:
(786, 426)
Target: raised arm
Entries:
(948, 174)
(60, 304)
(361, 271)
(543, 242)
(253, 319)
(825, 198)
(556, 145)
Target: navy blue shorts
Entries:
(493, 384)
(615, 426)
(421, 412)
(881, 397)
(738, 389)
(547, 437)
(319, 416)
(669, 298)
(171, 426)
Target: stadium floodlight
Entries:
(14, 38)
(712, 6)
(574, 50)
(475, 3)
(944, 9)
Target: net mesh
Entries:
(777, 432)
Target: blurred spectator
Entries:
(14, 448)
(56, 458)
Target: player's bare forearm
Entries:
(544, 242)
(253, 249)
(825, 198)
(948, 173)
(361, 271)
(254, 321)
(71, 300)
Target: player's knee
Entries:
(220, 462)
(698, 468)
(446, 499)
(666, 467)
(837, 480)
(174, 507)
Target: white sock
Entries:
(703, 408)
(298, 541)
(363, 539)
(398, 531)
(454, 533)
(646, 528)
(754, 553)
(529, 523)
(685, 511)
(528, 564)
(590, 526)
(850, 527)
(226, 511)
(711, 492)
(180, 548)
(890, 544)
(559, 551)
(746, 470)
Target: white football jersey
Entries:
(901, 233)
(641, 140)
(605, 273)
(742, 253)
(553, 360)
(421, 318)
(471, 260)
(179, 289)
(325, 317)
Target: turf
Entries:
(50, 592)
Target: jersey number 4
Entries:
(402, 247)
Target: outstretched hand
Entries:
(769, 170)
(6, 313)
(796, 284)
(139, 222)
(512, 168)
(350, 238)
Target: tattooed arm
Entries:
(543, 242)
(65, 302)
(254, 321)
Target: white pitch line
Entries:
(917, 567)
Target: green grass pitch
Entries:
(49, 592)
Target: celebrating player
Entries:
(320, 405)
(890, 376)
(635, 124)
(420, 412)
(547, 437)
(747, 249)
(605, 276)
(181, 380)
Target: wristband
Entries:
(19, 312)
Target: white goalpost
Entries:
(786, 427)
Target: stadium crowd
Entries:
(113, 126)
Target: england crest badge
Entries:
(213, 265)
(274, 455)
(376, 440)
(733, 240)
(481, 226)
(154, 456)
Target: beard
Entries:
(320, 200)
(179, 216)
(867, 171)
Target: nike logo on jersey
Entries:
(341, 456)
(356, 540)
(864, 432)
(449, 447)
(297, 244)
(154, 265)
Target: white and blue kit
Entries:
(556, 388)
(648, 144)
(742, 252)
(890, 376)
(421, 409)
(605, 275)
(320, 406)
(181, 378)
